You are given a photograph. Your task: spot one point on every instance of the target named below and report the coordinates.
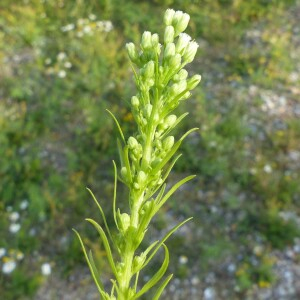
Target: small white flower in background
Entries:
(61, 56)
(2, 252)
(68, 27)
(48, 61)
(105, 26)
(79, 34)
(81, 22)
(46, 269)
(14, 227)
(268, 169)
(183, 259)
(14, 216)
(92, 17)
(62, 74)
(24, 204)
(8, 266)
(68, 65)
(87, 29)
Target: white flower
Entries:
(183, 259)
(46, 269)
(2, 252)
(68, 27)
(62, 74)
(61, 56)
(92, 17)
(268, 169)
(8, 266)
(14, 216)
(68, 65)
(79, 34)
(14, 227)
(24, 204)
(87, 29)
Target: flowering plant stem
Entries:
(147, 158)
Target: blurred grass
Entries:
(63, 63)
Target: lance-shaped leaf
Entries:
(102, 213)
(157, 276)
(118, 125)
(106, 245)
(162, 287)
(115, 194)
(174, 188)
(92, 269)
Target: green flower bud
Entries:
(154, 40)
(132, 53)
(124, 221)
(136, 186)
(148, 110)
(169, 35)
(168, 143)
(170, 120)
(135, 101)
(180, 22)
(132, 143)
(178, 88)
(138, 262)
(182, 74)
(146, 40)
(190, 52)
(149, 70)
(142, 177)
(169, 50)
(193, 81)
(182, 42)
(124, 173)
(175, 61)
(168, 17)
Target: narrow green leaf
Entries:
(115, 194)
(172, 191)
(118, 125)
(95, 270)
(106, 245)
(157, 276)
(99, 286)
(162, 287)
(164, 239)
(102, 213)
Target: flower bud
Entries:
(124, 173)
(168, 143)
(181, 75)
(132, 143)
(132, 53)
(193, 81)
(146, 40)
(154, 39)
(141, 178)
(124, 221)
(148, 110)
(170, 120)
(169, 34)
(182, 21)
(169, 50)
(149, 70)
(138, 262)
(182, 42)
(135, 101)
(190, 52)
(168, 17)
(175, 61)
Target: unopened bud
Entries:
(175, 61)
(132, 143)
(146, 40)
(168, 17)
(168, 143)
(124, 221)
(154, 39)
(141, 178)
(169, 50)
(135, 101)
(182, 21)
(190, 52)
(193, 81)
(169, 34)
(182, 42)
(132, 53)
(182, 74)
(149, 70)
(170, 120)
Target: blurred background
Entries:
(63, 62)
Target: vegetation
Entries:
(63, 63)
